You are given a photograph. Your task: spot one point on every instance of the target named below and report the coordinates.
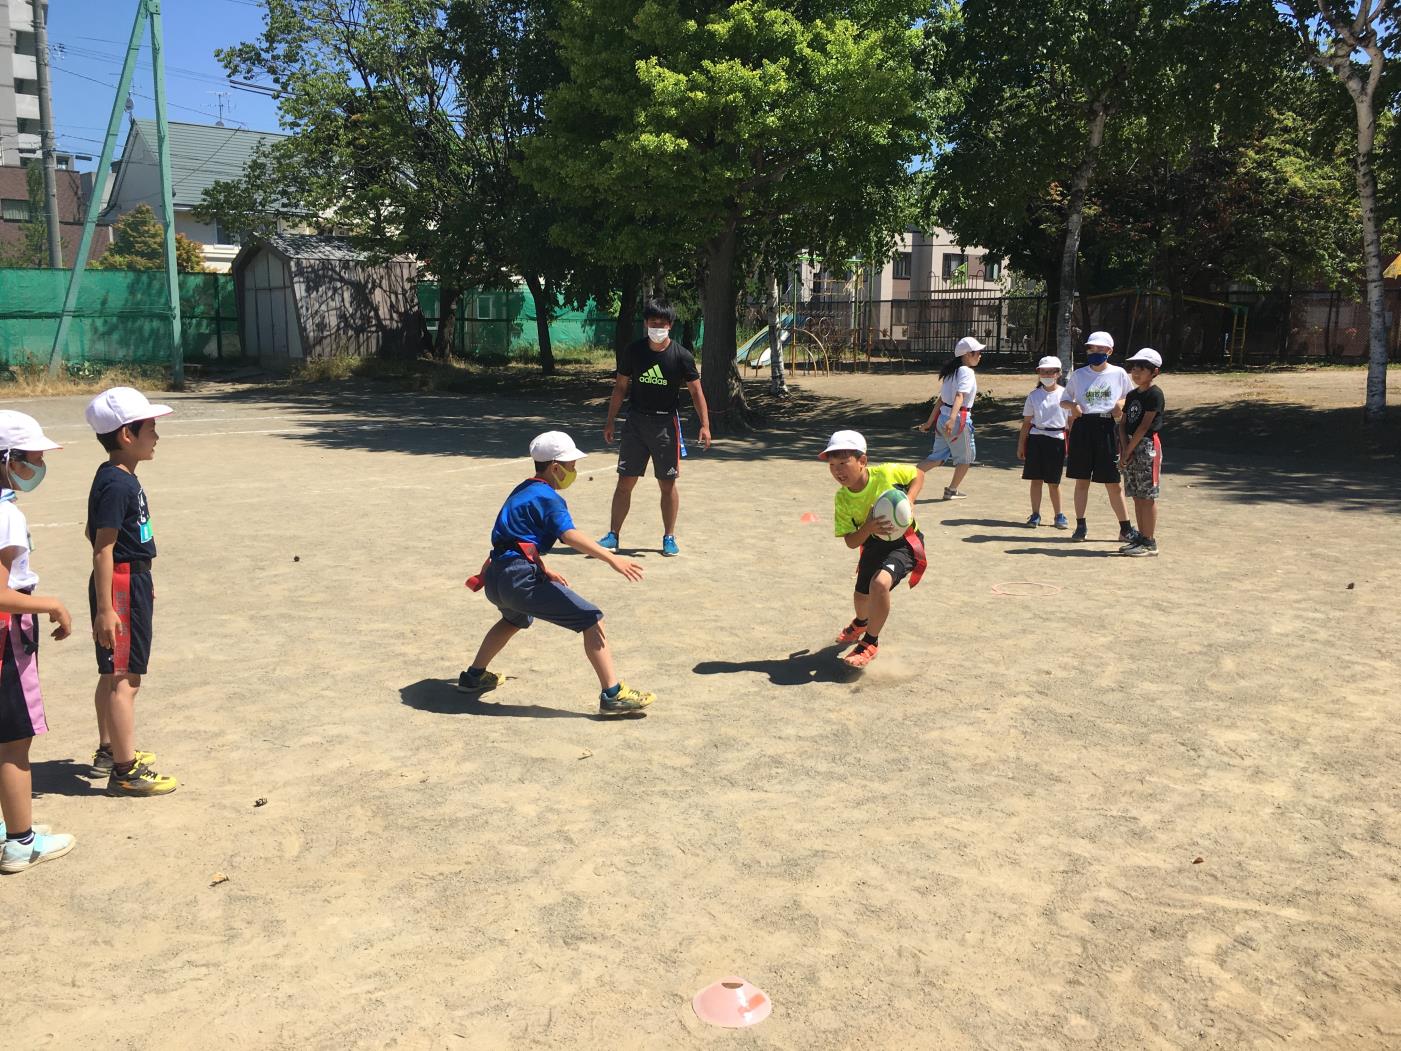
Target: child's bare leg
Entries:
(862, 604)
(1116, 501)
(121, 715)
(960, 471)
(928, 465)
(1082, 496)
(102, 702)
(599, 655)
(1055, 497)
(1146, 513)
(878, 603)
(16, 789)
(1036, 496)
(494, 642)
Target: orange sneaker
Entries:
(861, 656)
(851, 633)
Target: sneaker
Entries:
(1081, 533)
(43, 847)
(851, 633)
(861, 656)
(38, 830)
(954, 494)
(669, 547)
(487, 680)
(609, 542)
(140, 780)
(1034, 521)
(627, 700)
(1129, 535)
(102, 762)
(1062, 522)
(1143, 549)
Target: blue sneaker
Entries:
(17, 857)
(609, 541)
(669, 547)
(1034, 521)
(1062, 522)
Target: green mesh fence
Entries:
(502, 324)
(121, 317)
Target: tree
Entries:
(1056, 89)
(32, 250)
(1353, 41)
(138, 243)
(686, 128)
(408, 119)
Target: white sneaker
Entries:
(38, 830)
(19, 856)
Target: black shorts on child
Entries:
(1045, 458)
(896, 557)
(134, 599)
(1094, 449)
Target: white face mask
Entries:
(658, 335)
(1048, 381)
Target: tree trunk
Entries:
(1075, 215)
(719, 377)
(627, 311)
(1374, 409)
(776, 383)
(543, 296)
(445, 343)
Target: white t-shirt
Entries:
(1097, 392)
(964, 382)
(1047, 416)
(14, 532)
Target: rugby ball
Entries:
(893, 506)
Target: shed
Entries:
(301, 296)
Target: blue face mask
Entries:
(1096, 359)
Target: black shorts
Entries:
(1045, 458)
(650, 437)
(21, 706)
(134, 599)
(896, 557)
(1094, 449)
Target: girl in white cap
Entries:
(22, 447)
(1041, 444)
(952, 416)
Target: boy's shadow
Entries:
(797, 669)
(441, 697)
(1068, 551)
(63, 777)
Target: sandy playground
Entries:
(1142, 803)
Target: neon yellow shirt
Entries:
(852, 508)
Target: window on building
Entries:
(24, 44)
(486, 308)
(14, 211)
(26, 87)
(224, 236)
(992, 269)
(954, 262)
(27, 126)
(903, 265)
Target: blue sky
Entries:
(87, 39)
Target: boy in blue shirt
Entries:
(518, 583)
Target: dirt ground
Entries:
(1079, 801)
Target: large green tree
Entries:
(685, 128)
(1353, 42)
(138, 243)
(408, 118)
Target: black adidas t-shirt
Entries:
(1142, 401)
(656, 377)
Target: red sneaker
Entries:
(861, 656)
(851, 633)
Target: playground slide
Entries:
(745, 353)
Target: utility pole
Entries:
(46, 132)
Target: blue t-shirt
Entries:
(535, 513)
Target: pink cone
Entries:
(732, 1003)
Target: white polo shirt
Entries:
(1097, 392)
(1044, 408)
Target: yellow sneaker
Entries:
(102, 762)
(140, 780)
(626, 700)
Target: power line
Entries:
(113, 87)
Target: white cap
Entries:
(1148, 356)
(18, 431)
(844, 441)
(113, 409)
(967, 345)
(554, 445)
(1100, 339)
(1048, 362)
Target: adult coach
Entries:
(650, 374)
(1094, 395)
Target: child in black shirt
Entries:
(1141, 450)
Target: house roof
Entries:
(309, 246)
(202, 154)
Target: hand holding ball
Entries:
(894, 510)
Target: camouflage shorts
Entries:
(1143, 469)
